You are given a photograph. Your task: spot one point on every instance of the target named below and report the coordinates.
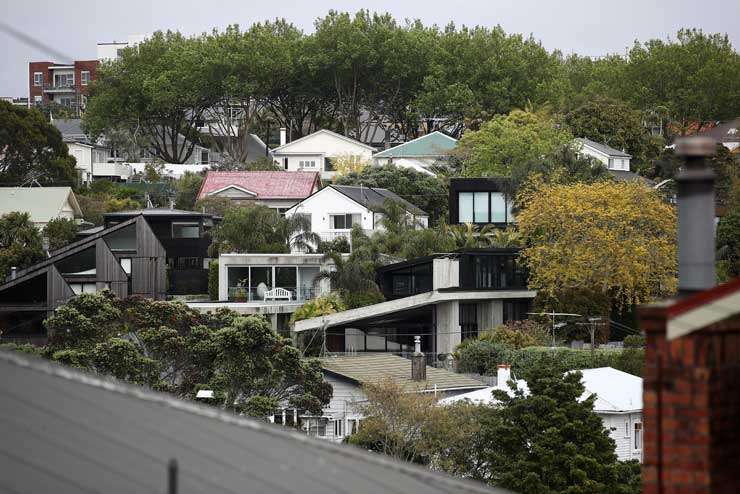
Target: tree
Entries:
(613, 239)
(550, 441)
(428, 193)
(186, 190)
(158, 87)
(32, 149)
(507, 142)
(353, 277)
(728, 237)
(60, 232)
(20, 242)
(614, 123)
(170, 347)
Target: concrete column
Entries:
(223, 281)
(274, 322)
(448, 326)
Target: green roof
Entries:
(434, 144)
(374, 367)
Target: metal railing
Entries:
(297, 294)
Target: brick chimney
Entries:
(418, 362)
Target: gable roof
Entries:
(616, 391)
(431, 145)
(318, 132)
(725, 132)
(374, 197)
(697, 311)
(41, 203)
(602, 148)
(263, 184)
(71, 129)
(372, 368)
(625, 176)
(81, 432)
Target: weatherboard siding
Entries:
(345, 395)
(615, 424)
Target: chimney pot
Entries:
(13, 272)
(418, 363)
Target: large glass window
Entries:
(285, 277)
(480, 207)
(465, 209)
(498, 207)
(260, 281)
(185, 230)
(345, 221)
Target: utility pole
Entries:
(593, 323)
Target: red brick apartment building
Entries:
(66, 85)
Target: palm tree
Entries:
(351, 274)
(296, 230)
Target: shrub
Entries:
(481, 356)
(213, 280)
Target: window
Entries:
(638, 435)
(468, 319)
(126, 264)
(328, 165)
(85, 77)
(337, 428)
(66, 101)
(480, 207)
(498, 207)
(38, 78)
(185, 230)
(204, 155)
(187, 263)
(37, 100)
(344, 221)
(307, 164)
(465, 202)
(78, 288)
(64, 80)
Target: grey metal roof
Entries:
(608, 150)
(71, 129)
(41, 203)
(625, 176)
(155, 212)
(373, 197)
(65, 431)
(725, 131)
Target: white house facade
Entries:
(613, 159)
(316, 151)
(335, 209)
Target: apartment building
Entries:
(63, 83)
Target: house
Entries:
(613, 159)
(316, 151)
(335, 209)
(94, 159)
(445, 298)
(274, 285)
(618, 403)
(725, 133)
(481, 201)
(279, 190)
(100, 434)
(348, 374)
(41, 203)
(61, 83)
(150, 252)
(420, 154)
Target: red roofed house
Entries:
(279, 190)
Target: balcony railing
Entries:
(297, 294)
(65, 86)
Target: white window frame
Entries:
(638, 439)
(126, 263)
(307, 164)
(331, 221)
(84, 77)
(38, 79)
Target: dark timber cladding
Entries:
(108, 270)
(148, 270)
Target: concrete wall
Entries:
(446, 273)
(448, 326)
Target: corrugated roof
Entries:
(66, 431)
(375, 367)
(41, 203)
(374, 197)
(725, 132)
(264, 184)
(430, 145)
(71, 129)
(608, 150)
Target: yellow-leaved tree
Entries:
(616, 240)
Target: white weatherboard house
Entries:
(315, 152)
(419, 154)
(347, 374)
(335, 209)
(613, 159)
(41, 203)
(618, 403)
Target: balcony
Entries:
(59, 88)
(297, 294)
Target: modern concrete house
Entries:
(444, 298)
(271, 284)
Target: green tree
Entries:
(157, 87)
(428, 193)
(551, 441)
(20, 242)
(186, 190)
(728, 237)
(32, 149)
(507, 142)
(60, 232)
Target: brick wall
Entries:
(691, 409)
(42, 67)
(80, 65)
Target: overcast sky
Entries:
(587, 27)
